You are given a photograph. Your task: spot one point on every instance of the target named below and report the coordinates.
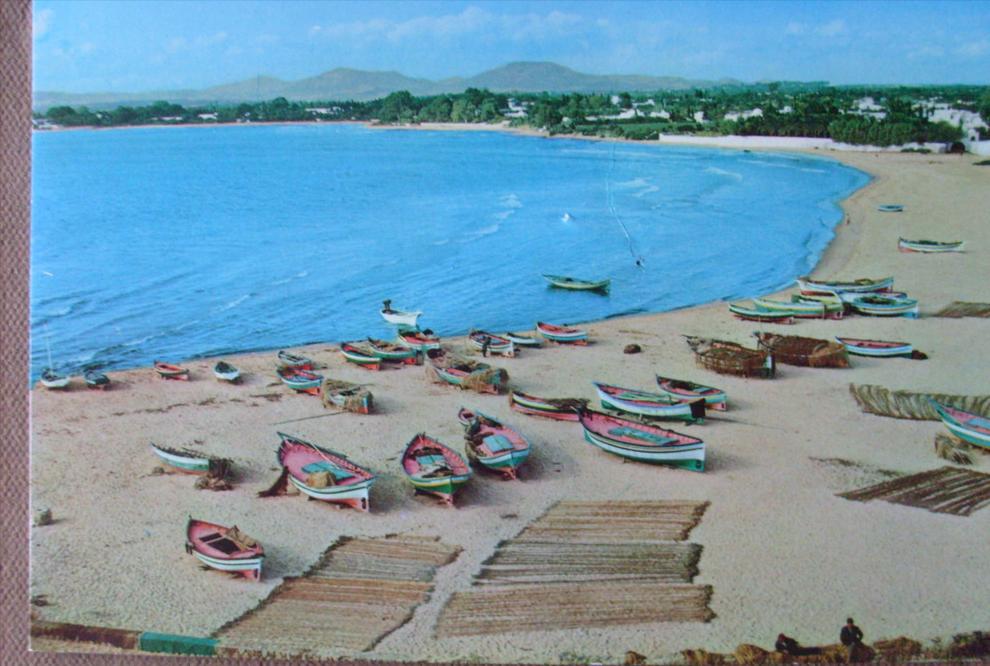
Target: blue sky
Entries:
(90, 46)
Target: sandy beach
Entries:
(781, 552)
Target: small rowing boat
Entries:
(400, 318)
(96, 380)
(862, 347)
(303, 381)
(558, 409)
(418, 340)
(522, 340)
(562, 334)
(574, 284)
(686, 391)
(346, 395)
(169, 371)
(835, 307)
(462, 372)
(861, 285)
(360, 355)
(804, 309)
(929, 246)
(189, 462)
(885, 306)
(643, 442)
(391, 351)
(890, 208)
(290, 360)
(226, 372)
(967, 426)
(653, 405)
(757, 314)
(493, 444)
(52, 380)
(489, 343)
(224, 548)
(324, 474)
(434, 468)
(798, 350)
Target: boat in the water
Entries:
(489, 343)
(324, 474)
(493, 444)
(761, 315)
(804, 309)
(96, 380)
(685, 391)
(290, 360)
(434, 468)
(574, 284)
(905, 245)
(224, 548)
(562, 334)
(361, 355)
(400, 317)
(170, 371)
(466, 373)
(890, 208)
(558, 409)
(418, 340)
(644, 442)
(861, 285)
(52, 380)
(967, 426)
(346, 395)
(226, 372)
(520, 340)
(885, 305)
(190, 462)
(303, 381)
(863, 347)
(391, 351)
(653, 405)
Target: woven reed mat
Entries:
(360, 591)
(588, 564)
(959, 492)
(964, 309)
(874, 399)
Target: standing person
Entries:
(852, 637)
(387, 305)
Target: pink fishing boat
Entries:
(434, 468)
(169, 371)
(324, 474)
(492, 444)
(562, 334)
(224, 548)
(862, 347)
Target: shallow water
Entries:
(173, 243)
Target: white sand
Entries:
(782, 552)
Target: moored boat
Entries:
(885, 305)
(391, 351)
(226, 372)
(863, 347)
(493, 444)
(562, 334)
(574, 284)
(653, 405)
(300, 380)
(967, 426)
(643, 442)
(324, 474)
(290, 360)
(861, 285)
(520, 340)
(170, 371)
(558, 409)
(928, 246)
(761, 315)
(360, 355)
(418, 340)
(434, 468)
(453, 369)
(184, 461)
(52, 380)
(96, 380)
(224, 548)
(686, 391)
(812, 309)
(347, 395)
(489, 343)
(400, 317)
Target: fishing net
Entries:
(352, 397)
(731, 358)
(321, 479)
(881, 401)
(964, 309)
(486, 380)
(810, 352)
(952, 449)
(240, 538)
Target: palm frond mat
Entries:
(964, 309)
(360, 591)
(588, 564)
(874, 399)
(951, 490)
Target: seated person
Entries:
(789, 646)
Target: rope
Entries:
(611, 207)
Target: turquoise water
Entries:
(173, 243)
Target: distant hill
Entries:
(355, 84)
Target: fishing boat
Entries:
(862, 347)
(52, 380)
(731, 358)
(885, 306)
(562, 334)
(224, 548)
(686, 391)
(802, 351)
(861, 285)
(835, 307)
(169, 371)
(558, 409)
(347, 395)
(290, 360)
(324, 474)
(493, 444)
(969, 427)
(890, 208)
(189, 462)
(465, 373)
(301, 380)
(399, 317)
(643, 442)
(96, 380)
(520, 340)
(360, 355)
(653, 405)
(418, 340)
(574, 284)
(434, 468)
(226, 372)
(928, 246)
(804, 309)
(392, 351)
(490, 343)
(757, 314)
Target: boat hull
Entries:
(928, 247)
(522, 340)
(896, 308)
(248, 565)
(532, 406)
(713, 397)
(496, 344)
(877, 348)
(399, 318)
(168, 371)
(573, 284)
(970, 428)
(560, 335)
(765, 316)
(650, 404)
(185, 464)
(864, 286)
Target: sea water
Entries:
(183, 242)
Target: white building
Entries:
(736, 115)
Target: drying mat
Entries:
(615, 521)
(964, 309)
(874, 399)
(952, 490)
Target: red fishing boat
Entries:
(169, 371)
